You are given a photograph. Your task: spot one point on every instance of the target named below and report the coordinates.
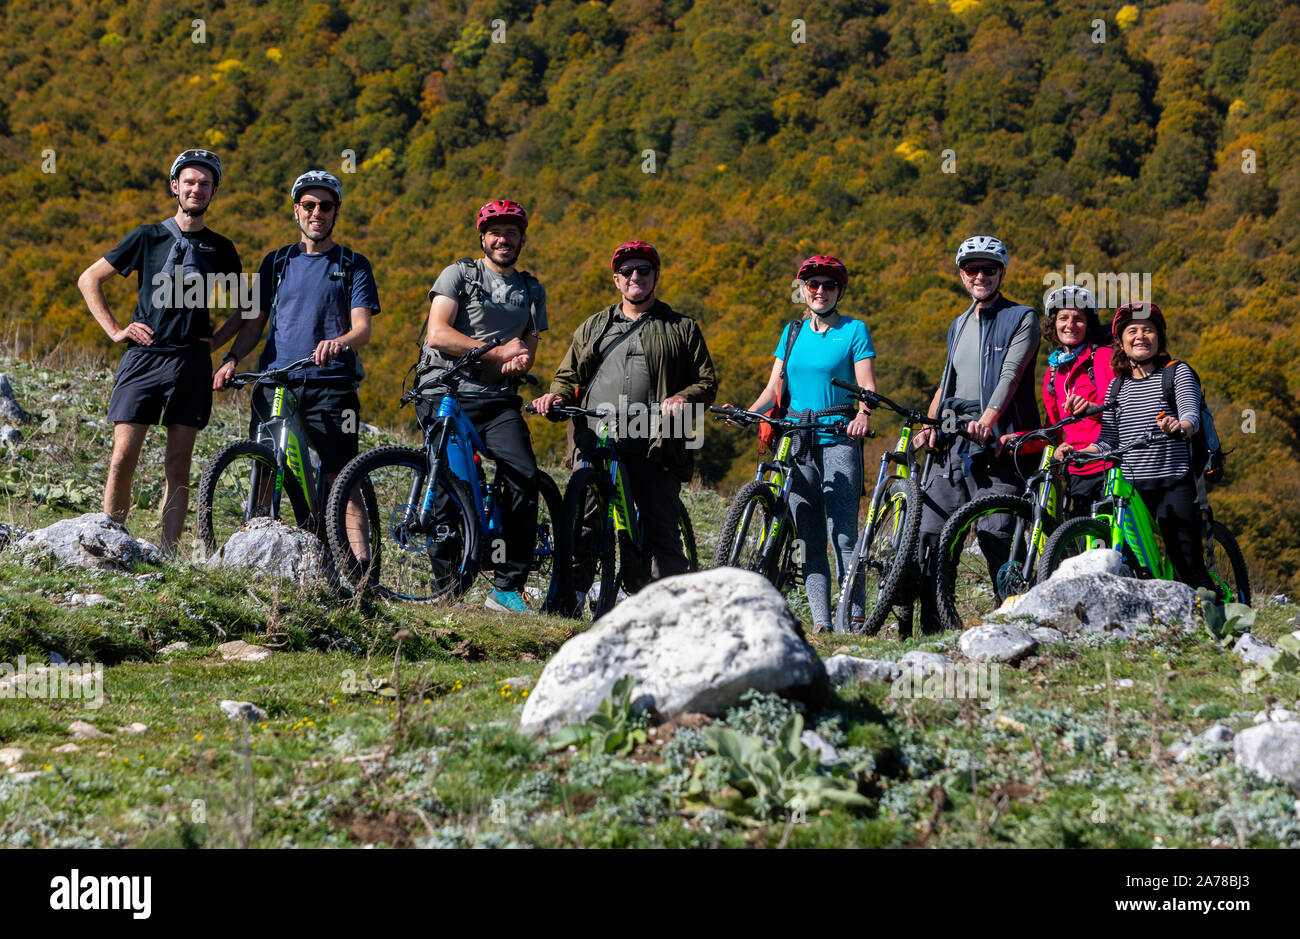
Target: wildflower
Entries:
(47, 767)
(198, 738)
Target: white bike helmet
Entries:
(204, 158)
(982, 248)
(1069, 298)
(317, 179)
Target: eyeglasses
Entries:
(816, 285)
(642, 269)
(309, 207)
(988, 270)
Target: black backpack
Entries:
(1206, 448)
(472, 288)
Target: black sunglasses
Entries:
(309, 207)
(642, 269)
(988, 270)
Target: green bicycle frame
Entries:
(1048, 498)
(898, 455)
(619, 508)
(284, 429)
(1131, 524)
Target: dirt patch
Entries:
(390, 828)
(458, 645)
(690, 720)
(579, 802)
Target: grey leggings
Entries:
(826, 491)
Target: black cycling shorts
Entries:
(163, 387)
(331, 413)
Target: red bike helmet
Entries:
(825, 264)
(1137, 311)
(502, 210)
(635, 249)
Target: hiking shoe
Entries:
(507, 601)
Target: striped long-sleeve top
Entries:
(1140, 401)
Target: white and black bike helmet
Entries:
(317, 179)
(982, 248)
(204, 158)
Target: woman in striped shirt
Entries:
(1161, 472)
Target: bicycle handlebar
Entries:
(875, 399)
(808, 422)
(563, 412)
(1150, 437)
(451, 371)
(271, 375)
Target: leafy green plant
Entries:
(762, 780)
(616, 727)
(1286, 661)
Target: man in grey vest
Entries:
(987, 386)
(166, 372)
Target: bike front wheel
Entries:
(983, 558)
(747, 529)
(551, 568)
(593, 571)
(874, 576)
(379, 545)
(1070, 540)
(236, 487)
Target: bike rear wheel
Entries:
(594, 554)
(1227, 565)
(875, 571)
(968, 586)
(551, 570)
(236, 487)
(399, 560)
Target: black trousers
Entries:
(656, 494)
(507, 441)
(1177, 512)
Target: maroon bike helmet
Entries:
(634, 249)
(825, 264)
(1137, 311)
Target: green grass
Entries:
(374, 740)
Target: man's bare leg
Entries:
(128, 439)
(176, 497)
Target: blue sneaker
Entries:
(507, 601)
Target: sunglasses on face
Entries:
(816, 285)
(309, 206)
(988, 270)
(641, 269)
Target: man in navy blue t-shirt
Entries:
(319, 297)
(166, 373)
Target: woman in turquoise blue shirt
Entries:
(828, 486)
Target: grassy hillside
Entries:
(375, 735)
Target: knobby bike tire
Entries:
(553, 551)
(1070, 539)
(688, 540)
(403, 564)
(882, 563)
(216, 513)
(592, 543)
(966, 589)
(1231, 551)
(748, 518)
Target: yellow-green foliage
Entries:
(1127, 155)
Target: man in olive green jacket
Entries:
(650, 366)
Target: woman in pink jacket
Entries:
(1078, 374)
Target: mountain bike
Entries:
(887, 540)
(603, 526)
(433, 520)
(758, 533)
(966, 589)
(247, 479)
(1121, 520)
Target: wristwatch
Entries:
(229, 357)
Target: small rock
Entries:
(843, 669)
(240, 651)
(88, 599)
(1276, 715)
(84, 731)
(171, 647)
(1219, 733)
(828, 755)
(10, 434)
(516, 684)
(1047, 636)
(242, 710)
(10, 534)
(1095, 561)
(270, 548)
(92, 540)
(996, 644)
(56, 659)
(1104, 604)
(1177, 750)
(58, 399)
(134, 728)
(10, 757)
(924, 662)
(1252, 650)
(1279, 599)
(21, 778)
(1124, 683)
(67, 748)
(1271, 751)
(148, 579)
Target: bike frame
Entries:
(620, 510)
(284, 433)
(1131, 524)
(452, 439)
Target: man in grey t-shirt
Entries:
(472, 302)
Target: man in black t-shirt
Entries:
(166, 373)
